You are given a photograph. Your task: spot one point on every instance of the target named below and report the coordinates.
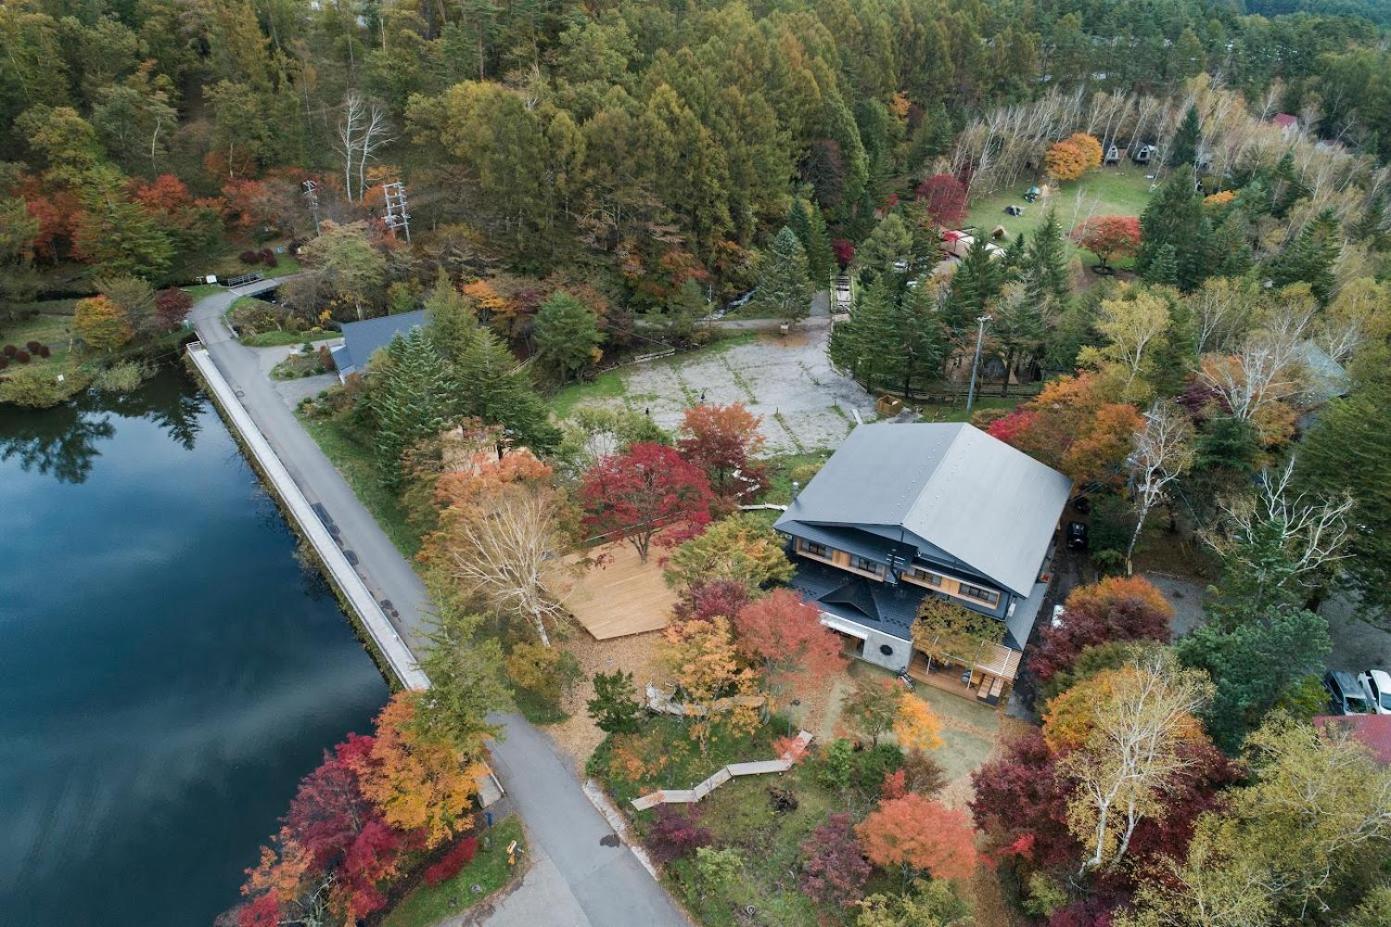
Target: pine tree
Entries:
(1184, 149)
(1175, 218)
(922, 340)
(567, 335)
(1309, 257)
(1229, 248)
(864, 344)
(784, 286)
(1017, 327)
(821, 261)
(1164, 268)
(1044, 268)
(412, 396)
(977, 281)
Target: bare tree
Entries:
(1132, 754)
(362, 130)
(1268, 367)
(1163, 452)
(1220, 307)
(507, 551)
(1312, 532)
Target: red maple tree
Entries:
(1109, 236)
(944, 197)
(834, 871)
(920, 835)
(785, 632)
(641, 491)
(715, 598)
(720, 440)
(1118, 608)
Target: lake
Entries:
(168, 667)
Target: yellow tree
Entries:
(417, 782)
(948, 633)
(916, 727)
(703, 662)
(101, 324)
(1135, 325)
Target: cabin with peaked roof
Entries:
(363, 339)
(905, 511)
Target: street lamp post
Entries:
(975, 364)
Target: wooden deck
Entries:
(619, 595)
(990, 682)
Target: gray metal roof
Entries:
(363, 339)
(1327, 378)
(952, 485)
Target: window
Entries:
(932, 579)
(869, 566)
(815, 549)
(988, 596)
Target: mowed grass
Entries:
(355, 459)
(279, 339)
(1105, 191)
(427, 905)
(43, 328)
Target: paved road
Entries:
(574, 880)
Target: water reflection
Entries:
(64, 442)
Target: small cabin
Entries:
(1286, 122)
(1114, 155)
(1143, 154)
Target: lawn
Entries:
(354, 458)
(488, 871)
(956, 411)
(278, 339)
(739, 814)
(1121, 191)
(781, 469)
(203, 289)
(43, 328)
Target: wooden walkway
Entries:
(757, 768)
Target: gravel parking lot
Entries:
(787, 380)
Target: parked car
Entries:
(1346, 695)
(1076, 536)
(1378, 685)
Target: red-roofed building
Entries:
(1372, 731)
(1285, 121)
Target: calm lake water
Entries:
(168, 669)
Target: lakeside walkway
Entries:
(579, 875)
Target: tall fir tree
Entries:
(1044, 268)
(863, 345)
(977, 281)
(1184, 148)
(567, 335)
(821, 260)
(922, 342)
(784, 284)
(1310, 256)
(412, 396)
(1174, 218)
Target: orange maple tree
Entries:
(917, 727)
(785, 633)
(417, 783)
(1073, 426)
(920, 835)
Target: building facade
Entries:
(905, 511)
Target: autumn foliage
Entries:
(721, 440)
(1109, 236)
(1073, 156)
(639, 492)
(1073, 426)
(784, 632)
(921, 835)
(944, 198)
(1115, 609)
(834, 870)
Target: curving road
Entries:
(578, 876)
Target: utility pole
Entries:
(975, 365)
(311, 196)
(396, 215)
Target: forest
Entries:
(1191, 320)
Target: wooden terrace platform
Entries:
(617, 594)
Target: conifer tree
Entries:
(1175, 217)
(977, 281)
(1309, 257)
(922, 339)
(784, 285)
(1164, 268)
(413, 398)
(567, 335)
(492, 387)
(1044, 268)
(864, 344)
(1184, 149)
(821, 261)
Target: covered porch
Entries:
(988, 679)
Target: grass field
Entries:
(488, 870)
(43, 328)
(280, 339)
(1120, 191)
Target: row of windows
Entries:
(987, 596)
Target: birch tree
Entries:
(1268, 366)
(363, 129)
(1132, 752)
(1163, 452)
(507, 552)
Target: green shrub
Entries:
(124, 377)
(40, 388)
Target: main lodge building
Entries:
(904, 511)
